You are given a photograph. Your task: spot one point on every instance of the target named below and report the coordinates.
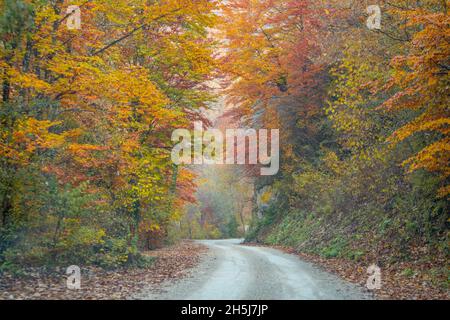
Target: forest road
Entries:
(231, 271)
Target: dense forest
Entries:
(86, 122)
(87, 116)
(364, 118)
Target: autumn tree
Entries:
(91, 110)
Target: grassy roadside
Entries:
(99, 284)
(400, 281)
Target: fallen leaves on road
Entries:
(98, 284)
(395, 284)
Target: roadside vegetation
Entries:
(86, 118)
(364, 121)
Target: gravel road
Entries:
(231, 271)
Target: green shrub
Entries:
(335, 249)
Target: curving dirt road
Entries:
(232, 271)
